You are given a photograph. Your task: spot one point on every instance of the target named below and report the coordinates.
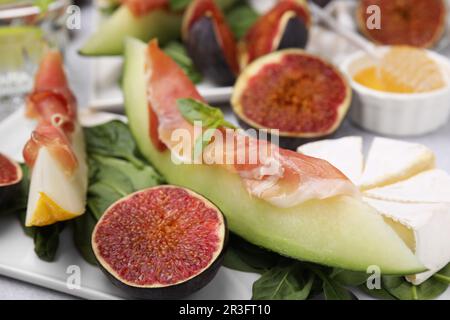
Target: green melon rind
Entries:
(341, 232)
(108, 40)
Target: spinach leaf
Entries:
(240, 19)
(246, 257)
(100, 197)
(443, 275)
(46, 239)
(112, 139)
(403, 290)
(332, 289)
(349, 278)
(178, 53)
(82, 233)
(284, 282)
(377, 293)
(139, 178)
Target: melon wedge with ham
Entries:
(397, 181)
(311, 211)
(55, 152)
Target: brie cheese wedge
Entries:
(432, 186)
(400, 183)
(390, 161)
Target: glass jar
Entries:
(26, 30)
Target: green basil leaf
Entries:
(205, 139)
(283, 283)
(240, 19)
(403, 290)
(112, 139)
(193, 110)
(83, 227)
(177, 5)
(42, 5)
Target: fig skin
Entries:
(286, 135)
(9, 190)
(296, 35)
(206, 53)
(285, 26)
(169, 292)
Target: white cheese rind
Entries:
(346, 154)
(430, 224)
(432, 186)
(390, 161)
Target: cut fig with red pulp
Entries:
(164, 242)
(285, 26)
(210, 42)
(297, 93)
(10, 177)
(418, 23)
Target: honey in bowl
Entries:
(403, 70)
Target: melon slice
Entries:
(108, 39)
(390, 161)
(432, 186)
(342, 231)
(345, 154)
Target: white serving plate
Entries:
(107, 95)
(18, 260)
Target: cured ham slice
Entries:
(281, 177)
(51, 94)
(55, 152)
(57, 143)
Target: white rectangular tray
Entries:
(18, 260)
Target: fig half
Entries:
(295, 92)
(10, 177)
(418, 23)
(286, 25)
(210, 42)
(165, 242)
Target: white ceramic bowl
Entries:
(397, 114)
